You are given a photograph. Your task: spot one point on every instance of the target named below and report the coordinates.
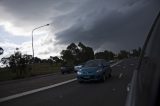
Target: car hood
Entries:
(89, 69)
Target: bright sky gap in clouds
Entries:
(101, 24)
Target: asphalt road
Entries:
(17, 86)
(110, 93)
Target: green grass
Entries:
(40, 69)
(31, 70)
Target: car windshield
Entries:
(92, 63)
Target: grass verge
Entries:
(31, 70)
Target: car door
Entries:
(145, 85)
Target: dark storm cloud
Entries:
(101, 24)
(35, 12)
(114, 26)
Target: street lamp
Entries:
(32, 36)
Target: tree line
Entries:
(72, 55)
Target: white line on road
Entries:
(41, 89)
(34, 91)
(116, 63)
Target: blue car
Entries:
(93, 70)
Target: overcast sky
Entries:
(101, 24)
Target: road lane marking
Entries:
(116, 63)
(34, 91)
(41, 89)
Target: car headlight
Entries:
(99, 70)
(79, 72)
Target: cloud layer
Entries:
(122, 25)
(101, 24)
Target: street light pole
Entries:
(32, 36)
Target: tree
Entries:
(5, 60)
(73, 48)
(100, 55)
(136, 52)
(108, 55)
(44, 61)
(77, 54)
(28, 58)
(50, 61)
(123, 54)
(17, 63)
(56, 59)
(67, 57)
(36, 60)
(86, 53)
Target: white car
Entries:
(78, 67)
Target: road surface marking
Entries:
(34, 91)
(116, 63)
(41, 89)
